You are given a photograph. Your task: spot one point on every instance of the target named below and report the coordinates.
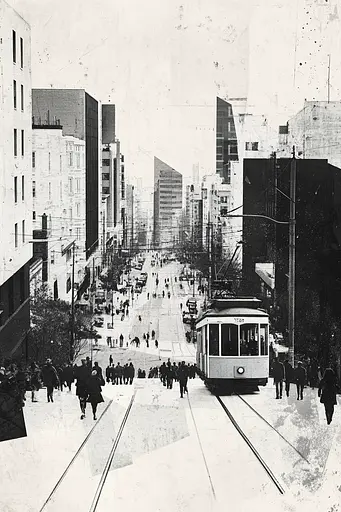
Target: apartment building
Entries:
(15, 180)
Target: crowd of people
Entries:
(169, 372)
(325, 381)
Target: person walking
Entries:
(119, 373)
(163, 373)
(156, 344)
(131, 372)
(153, 334)
(69, 375)
(34, 380)
(183, 378)
(169, 376)
(50, 379)
(288, 376)
(327, 393)
(126, 374)
(111, 360)
(99, 371)
(94, 392)
(82, 374)
(300, 379)
(278, 375)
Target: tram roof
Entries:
(239, 311)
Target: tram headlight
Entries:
(240, 370)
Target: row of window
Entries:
(16, 234)
(234, 340)
(16, 188)
(14, 49)
(15, 96)
(15, 141)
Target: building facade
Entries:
(80, 117)
(15, 180)
(167, 204)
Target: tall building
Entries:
(315, 132)
(194, 215)
(226, 140)
(79, 115)
(15, 181)
(58, 190)
(167, 204)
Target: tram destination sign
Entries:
(239, 320)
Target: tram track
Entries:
(252, 447)
(105, 472)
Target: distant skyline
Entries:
(164, 64)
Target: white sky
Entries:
(163, 64)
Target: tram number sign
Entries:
(239, 320)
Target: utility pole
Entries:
(292, 256)
(72, 340)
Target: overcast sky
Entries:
(163, 64)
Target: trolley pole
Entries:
(292, 257)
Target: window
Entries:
(16, 235)
(78, 233)
(70, 185)
(34, 215)
(15, 135)
(22, 142)
(251, 146)
(15, 94)
(214, 340)
(70, 213)
(264, 340)
(22, 188)
(78, 184)
(78, 209)
(21, 52)
(14, 46)
(50, 191)
(105, 190)
(229, 340)
(23, 232)
(71, 159)
(105, 161)
(255, 146)
(33, 159)
(232, 149)
(224, 199)
(249, 340)
(52, 257)
(49, 163)
(78, 160)
(15, 189)
(105, 176)
(33, 189)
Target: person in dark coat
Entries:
(50, 379)
(108, 373)
(163, 373)
(278, 376)
(34, 381)
(111, 360)
(288, 376)
(175, 371)
(113, 374)
(170, 376)
(99, 371)
(83, 373)
(131, 372)
(119, 373)
(300, 379)
(327, 393)
(69, 375)
(88, 362)
(126, 374)
(94, 392)
(183, 378)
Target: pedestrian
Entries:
(175, 371)
(288, 376)
(99, 372)
(170, 376)
(147, 343)
(181, 306)
(156, 344)
(163, 373)
(119, 373)
(111, 360)
(278, 375)
(131, 372)
(88, 362)
(94, 392)
(183, 378)
(112, 374)
(34, 383)
(147, 296)
(153, 334)
(69, 375)
(82, 374)
(60, 373)
(327, 393)
(300, 379)
(121, 340)
(50, 379)
(107, 373)
(126, 374)
(140, 319)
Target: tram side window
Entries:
(205, 340)
(264, 346)
(199, 340)
(249, 340)
(214, 340)
(229, 340)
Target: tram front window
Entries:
(229, 340)
(249, 340)
(214, 340)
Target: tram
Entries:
(233, 342)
